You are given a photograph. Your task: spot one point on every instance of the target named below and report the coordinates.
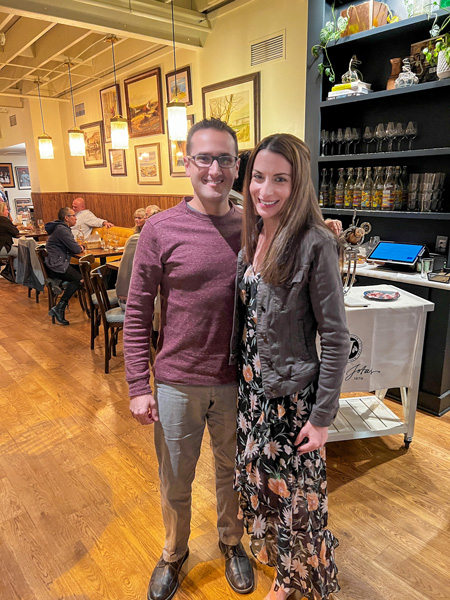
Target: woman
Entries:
(8, 231)
(288, 288)
(61, 246)
(139, 220)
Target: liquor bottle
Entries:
(388, 191)
(405, 189)
(398, 189)
(357, 190)
(349, 187)
(340, 190)
(80, 235)
(377, 194)
(332, 189)
(324, 190)
(366, 199)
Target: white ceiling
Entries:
(41, 37)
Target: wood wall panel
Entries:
(116, 208)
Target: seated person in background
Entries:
(139, 219)
(8, 231)
(86, 220)
(61, 246)
(151, 210)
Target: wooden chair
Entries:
(92, 309)
(54, 287)
(29, 271)
(5, 260)
(112, 318)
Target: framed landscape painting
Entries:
(237, 102)
(148, 164)
(111, 106)
(182, 89)
(23, 178)
(6, 175)
(177, 150)
(94, 138)
(117, 163)
(144, 103)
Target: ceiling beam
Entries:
(147, 20)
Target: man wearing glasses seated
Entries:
(190, 253)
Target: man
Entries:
(86, 219)
(61, 246)
(190, 252)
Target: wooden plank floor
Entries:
(79, 499)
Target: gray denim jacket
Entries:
(288, 319)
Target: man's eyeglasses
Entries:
(225, 161)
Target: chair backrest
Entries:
(98, 277)
(85, 263)
(29, 271)
(41, 252)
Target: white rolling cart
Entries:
(386, 352)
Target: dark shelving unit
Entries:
(428, 104)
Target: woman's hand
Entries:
(316, 437)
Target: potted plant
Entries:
(438, 50)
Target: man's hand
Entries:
(143, 409)
(317, 437)
(107, 224)
(335, 225)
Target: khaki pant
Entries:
(183, 411)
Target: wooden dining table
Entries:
(37, 234)
(101, 253)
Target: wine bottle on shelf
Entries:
(405, 188)
(388, 191)
(349, 188)
(331, 189)
(324, 190)
(340, 189)
(357, 190)
(398, 189)
(377, 194)
(366, 198)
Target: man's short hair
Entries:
(63, 212)
(216, 124)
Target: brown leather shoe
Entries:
(238, 570)
(164, 580)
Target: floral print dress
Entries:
(283, 496)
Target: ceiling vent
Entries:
(269, 48)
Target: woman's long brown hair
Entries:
(300, 212)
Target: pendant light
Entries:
(77, 144)
(45, 141)
(119, 125)
(176, 110)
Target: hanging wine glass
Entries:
(356, 138)
(401, 134)
(411, 132)
(391, 133)
(339, 140)
(368, 137)
(332, 142)
(380, 135)
(348, 139)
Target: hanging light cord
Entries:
(174, 59)
(114, 61)
(71, 94)
(40, 104)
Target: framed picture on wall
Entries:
(94, 137)
(148, 164)
(177, 150)
(237, 102)
(6, 175)
(111, 106)
(23, 178)
(182, 88)
(22, 205)
(144, 103)
(117, 163)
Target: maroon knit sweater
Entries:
(192, 257)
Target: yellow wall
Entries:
(226, 55)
